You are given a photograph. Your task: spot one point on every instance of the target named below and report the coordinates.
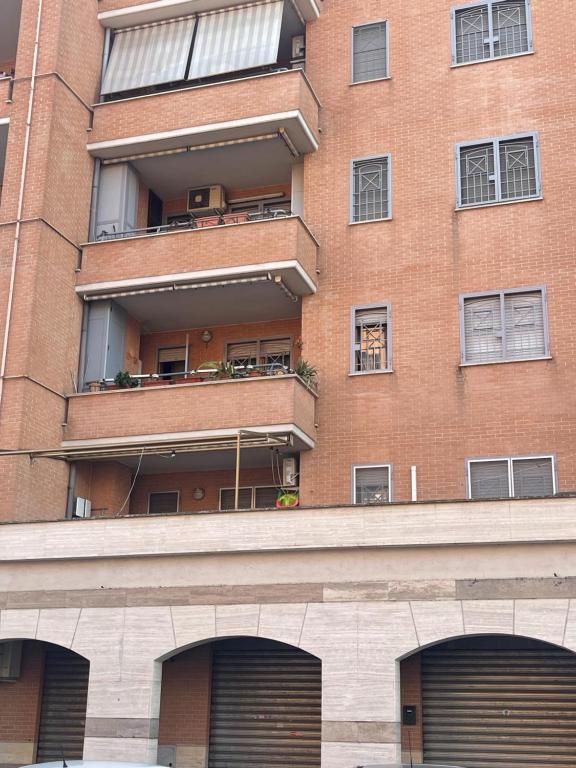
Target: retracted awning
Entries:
(236, 39)
(149, 55)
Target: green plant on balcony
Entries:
(219, 369)
(307, 372)
(124, 380)
(287, 500)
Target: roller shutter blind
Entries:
(370, 189)
(369, 57)
(508, 703)
(227, 496)
(149, 55)
(171, 354)
(63, 709)
(371, 339)
(372, 485)
(525, 332)
(265, 497)
(236, 39)
(489, 479)
(533, 477)
(266, 706)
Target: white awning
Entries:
(237, 39)
(149, 55)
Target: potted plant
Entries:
(155, 381)
(218, 369)
(123, 380)
(307, 372)
(287, 500)
(94, 386)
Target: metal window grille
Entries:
(372, 485)
(369, 57)
(370, 194)
(499, 170)
(371, 339)
(511, 477)
(504, 326)
(491, 29)
(259, 497)
(163, 503)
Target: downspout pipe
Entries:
(16, 246)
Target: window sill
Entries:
(370, 373)
(375, 80)
(495, 58)
(500, 362)
(369, 221)
(474, 206)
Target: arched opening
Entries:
(490, 701)
(43, 694)
(241, 701)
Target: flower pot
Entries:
(94, 386)
(287, 504)
(154, 383)
(208, 221)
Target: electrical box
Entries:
(204, 199)
(83, 507)
(10, 659)
(289, 472)
(298, 47)
(409, 714)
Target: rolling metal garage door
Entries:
(499, 703)
(266, 706)
(63, 713)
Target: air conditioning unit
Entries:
(289, 472)
(83, 507)
(206, 199)
(10, 658)
(298, 47)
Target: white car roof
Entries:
(91, 764)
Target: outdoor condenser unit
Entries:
(289, 472)
(204, 199)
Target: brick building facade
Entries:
(379, 190)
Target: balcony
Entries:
(178, 254)
(232, 111)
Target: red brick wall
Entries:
(411, 694)
(185, 698)
(20, 700)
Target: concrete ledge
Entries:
(530, 521)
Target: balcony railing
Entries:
(196, 222)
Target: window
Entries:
(513, 477)
(163, 502)
(249, 498)
(372, 484)
(370, 52)
(504, 326)
(171, 360)
(371, 189)
(371, 339)
(491, 30)
(498, 170)
(271, 353)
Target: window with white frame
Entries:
(371, 344)
(491, 30)
(271, 354)
(371, 189)
(370, 52)
(511, 477)
(372, 484)
(163, 502)
(504, 326)
(257, 497)
(498, 170)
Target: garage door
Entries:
(63, 712)
(499, 702)
(266, 706)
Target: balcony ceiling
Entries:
(9, 27)
(208, 307)
(208, 461)
(162, 9)
(238, 166)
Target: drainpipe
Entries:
(414, 483)
(20, 202)
(71, 491)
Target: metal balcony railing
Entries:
(189, 221)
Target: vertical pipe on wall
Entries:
(71, 491)
(237, 480)
(413, 482)
(16, 246)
